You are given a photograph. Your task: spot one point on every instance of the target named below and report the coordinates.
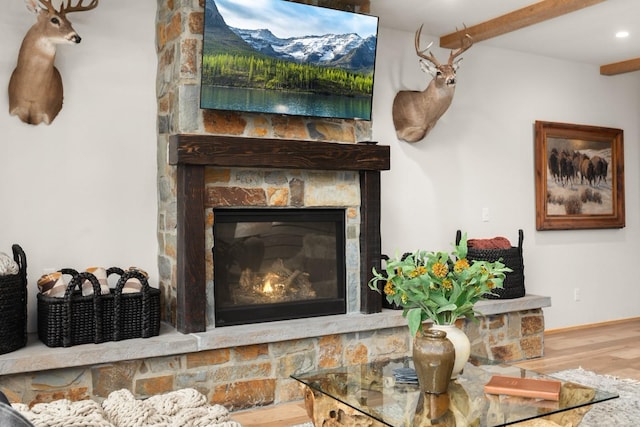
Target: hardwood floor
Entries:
(284, 415)
(606, 348)
(611, 348)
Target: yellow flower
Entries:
(404, 298)
(461, 265)
(419, 271)
(440, 270)
(447, 284)
(388, 288)
(490, 284)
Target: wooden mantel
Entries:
(191, 153)
(213, 150)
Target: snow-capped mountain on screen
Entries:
(349, 51)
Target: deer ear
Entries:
(428, 67)
(456, 64)
(33, 6)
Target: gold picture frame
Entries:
(579, 176)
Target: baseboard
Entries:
(590, 325)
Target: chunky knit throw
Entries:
(7, 265)
(181, 408)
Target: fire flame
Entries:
(267, 288)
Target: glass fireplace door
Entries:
(277, 264)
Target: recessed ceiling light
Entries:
(622, 34)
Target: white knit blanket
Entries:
(7, 265)
(181, 408)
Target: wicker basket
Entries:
(76, 319)
(512, 258)
(13, 305)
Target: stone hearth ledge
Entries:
(38, 357)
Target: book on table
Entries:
(525, 387)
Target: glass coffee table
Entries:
(369, 395)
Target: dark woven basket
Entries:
(76, 319)
(512, 258)
(13, 305)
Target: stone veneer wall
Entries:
(507, 337)
(258, 375)
(239, 377)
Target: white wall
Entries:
(481, 154)
(82, 191)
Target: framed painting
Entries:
(579, 176)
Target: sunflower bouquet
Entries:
(437, 285)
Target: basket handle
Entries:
(77, 280)
(117, 298)
(21, 259)
(520, 239)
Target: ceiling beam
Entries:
(529, 15)
(620, 67)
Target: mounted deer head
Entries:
(35, 88)
(416, 113)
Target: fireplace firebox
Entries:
(278, 264)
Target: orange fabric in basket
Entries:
(494, 243)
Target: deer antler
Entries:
(78, 7)
(462, 48)
(421, 53)
(48, 5)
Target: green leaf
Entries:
(439, 299)
(414, 319)
(450, 307)
(461, 249)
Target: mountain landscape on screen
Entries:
(249, 64)
(347, 51)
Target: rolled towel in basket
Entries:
(52, 285)
(101, 274)
(133, 285)
(493, 243)
(7, 265)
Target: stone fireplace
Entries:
(273, 179)
(218, 172)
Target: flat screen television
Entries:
(281, 57)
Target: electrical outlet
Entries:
(485, 214)
(576, 294)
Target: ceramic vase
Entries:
(461, 344)
(433, 359)
(433, 410)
